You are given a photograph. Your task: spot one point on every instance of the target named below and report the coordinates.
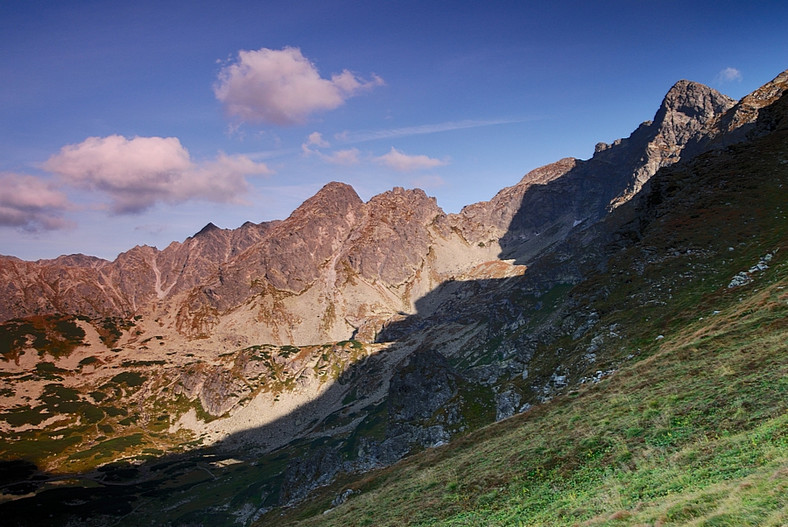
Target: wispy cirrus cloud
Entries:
(350, 156)
(729, 75)
(392, 133)
(407, 163)
(347, 157)
(31, 204)
(137, 173)
(283, 87)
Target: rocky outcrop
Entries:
(131, 284)
(394, 236)
(755, 115)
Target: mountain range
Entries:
(353, 334)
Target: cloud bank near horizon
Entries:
(137, 173)
(393, 133)
(30, 204)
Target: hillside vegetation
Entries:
(691, 430)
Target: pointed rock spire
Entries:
(208, 228)
(688, 110)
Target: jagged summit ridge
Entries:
(682, 126)
(686, 115)
(745, 120)
(208, 228)
(371, 260)
(333, 195)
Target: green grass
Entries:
(110, 449)
(695, 433)
(132, 379)
(56, 335)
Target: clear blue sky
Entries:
(125, 123)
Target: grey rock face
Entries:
(421, 387)
(587, 191)
(507, 404)
(392, 238)
(303, 475)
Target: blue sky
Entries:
(139, 122)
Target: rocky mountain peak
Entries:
(333, 196)
(686, 114)
(401, 203)
(694, 100)
(208, 228)
(393, 238)
(75, 260)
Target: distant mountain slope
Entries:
(655, 381)
(338, 267)
(93, 287)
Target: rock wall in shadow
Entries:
(591, 189)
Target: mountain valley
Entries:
(594, 329)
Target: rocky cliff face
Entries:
(136, 280)
(545, 209)
(336, 268)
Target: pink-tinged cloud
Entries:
(282, 87)
(316, 139)
(407, 163)
(350, 156)
(343, 157)
(31, 204)
(140, 172)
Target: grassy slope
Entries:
(697, 432)
(694, 431)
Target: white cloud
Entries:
(316, 139)
(406, 163)
(391, 133)
(282, 87)
(343, 157)
(31, 204)
(729, 75)
(137, 173)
